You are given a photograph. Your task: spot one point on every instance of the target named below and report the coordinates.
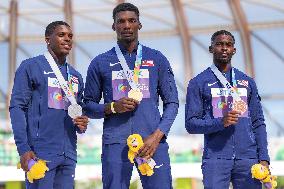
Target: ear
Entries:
(140, 26)
(235, 50)
(210, 49)
(47, 40)
(113, 28)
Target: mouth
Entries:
(67, 46)
(224, 56)
(127, 34)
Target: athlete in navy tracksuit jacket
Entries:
(41, 125)
(105, 76)
(232, 142)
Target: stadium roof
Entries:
(181, 29)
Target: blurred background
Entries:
(181, 29)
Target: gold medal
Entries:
(135, 94)
(240, 106)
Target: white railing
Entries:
(93, 172)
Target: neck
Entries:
(223, 67)
(129, 45)
(58, 59)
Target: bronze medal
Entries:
(240, 106)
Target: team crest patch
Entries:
(148, 63)
(74, 79)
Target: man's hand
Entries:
(151, 144)
(81, 122)
(125, 104)
(25, 159)
(265, 163)
(231, 118)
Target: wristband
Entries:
(112, 108)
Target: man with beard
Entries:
(223, 104)
(131, 78)
(46, 86)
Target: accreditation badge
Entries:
(135, 94)
(74, 110)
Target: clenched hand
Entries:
(231, 118)
(25, 160)
(81, 122)
(151, 144)
(125, 104)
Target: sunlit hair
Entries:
(222, 32)
(125, 7)
(51, 27)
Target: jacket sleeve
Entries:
(93, 92)
(168, 91)
(258, 125)
(20, 99)
(196, 122)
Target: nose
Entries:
(126, 25)
(224, 47)
(67, 37)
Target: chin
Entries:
(128, 39)
(65, 52)
(224, 61)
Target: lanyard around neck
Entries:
(132, 78)
(63, 84)
(226, 83)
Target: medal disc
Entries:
(135, 94)
(240, 106)
(74, 110)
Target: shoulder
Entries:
(244, 77)
(152, 52)
(104, 58)
(149, 50)
(74, 72)
(201, 77)
(30, 62)
(241, 74)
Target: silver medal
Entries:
(74, 110)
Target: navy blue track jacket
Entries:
(38, 109)
(206, 102)
(105, 76)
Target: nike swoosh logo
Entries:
(46, 73)
(210, 84)
(110, 64)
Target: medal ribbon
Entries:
(70, 81)
(131, 78)
(226, 83)
(63, 84)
